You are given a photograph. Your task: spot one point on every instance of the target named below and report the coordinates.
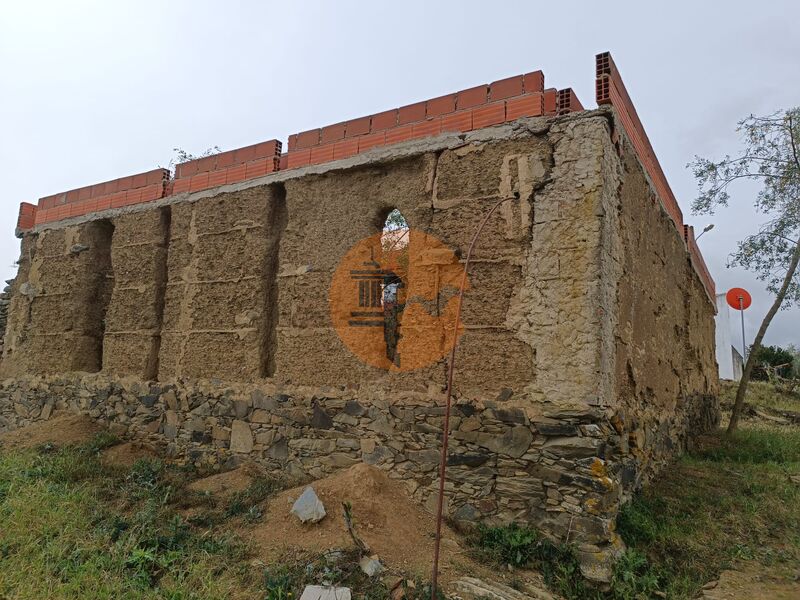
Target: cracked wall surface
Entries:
(586, 359)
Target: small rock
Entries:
(78, 248)
(318, 592)
(371, 566)
(308, 507)
(241, 437)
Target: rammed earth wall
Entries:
(586, 362)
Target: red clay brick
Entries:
(472, 97)
(234, 174)
(198, 182)
(458, 121)
(72, 195)
(345, 148)
(427, 128)
(283, 162)
(371, 141)
(384, 120)
(84, 193)
(505, 88)
(156, 176)
(109, 187)
(97, 190)
(181, 185)
(292, 143)
(299, 158)
(103, 203)
(441, 105)
(356, 127)
(256, 168)
(332, 133)
(139, 180)
(491, 114)
(306, 139)
(223, 160)
(529, 105)
(243, 155)
(125, 183)
(399, 134)
(186, 169)
(217, 178)
(411, 113)
(268, 149)
(206, 164)
(533, 82)
(550, 101)
(322, 153)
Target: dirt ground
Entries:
(752, 581)
(62, 428)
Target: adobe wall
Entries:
(665, 381)
(220, 296)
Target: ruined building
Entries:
(238, 310)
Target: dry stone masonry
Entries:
(200, 319)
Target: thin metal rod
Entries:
(741, 313)
(448, 402)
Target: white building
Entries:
(729, 358)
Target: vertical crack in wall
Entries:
(275, 222)
(162, 256)
(99, 291)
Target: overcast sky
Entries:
(91, 90)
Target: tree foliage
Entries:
(770, 156)
(780, 359)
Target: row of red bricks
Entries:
(482, 106)
(486, 115)
(532, 83)
(610, 89)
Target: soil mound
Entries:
(127, 453)
(394, 527)
(61, 429)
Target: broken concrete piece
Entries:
(308, 507)
(318, 592)
(371, 566)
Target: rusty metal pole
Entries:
(448, 402)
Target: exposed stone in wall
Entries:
(586, 362)
(5, 300)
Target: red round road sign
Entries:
(738, 298)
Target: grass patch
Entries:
(733, 499)
(73, 527)
(760, 394)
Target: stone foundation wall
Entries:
(586, 359)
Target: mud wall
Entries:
(567, 401)
(666, 380)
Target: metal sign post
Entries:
(739, 299)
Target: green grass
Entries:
(65, 532)
(73, 527)
(732, 499)
(760, 394)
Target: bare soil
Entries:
(127, 453)
(394, 527)
(752, 581)
(224, 484)
(61, 429)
